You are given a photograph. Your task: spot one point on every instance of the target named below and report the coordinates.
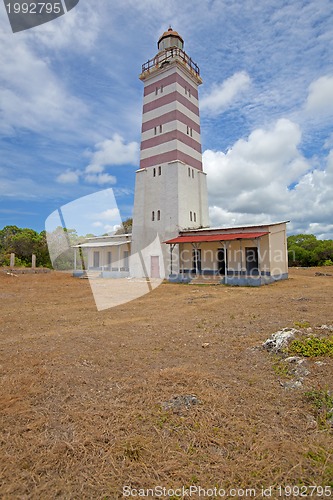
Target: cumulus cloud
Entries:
(100, 179)
(320, 98)
(265, 178)
(69, 177)
(113, 152)
(224, 94)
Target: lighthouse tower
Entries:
(170, 187)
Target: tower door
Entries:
(96, 259)
(221, 261)
(154, 266)
(252, 261)
(196, 265)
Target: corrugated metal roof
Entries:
(216, 237)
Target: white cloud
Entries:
(266, 158)
(110, 213)
(265, 178)
(100, 179)
(31, 95)
(320, 98)
(69, 177)
(224, 94)
(113, 152)
(77, 29)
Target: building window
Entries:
(191, 216)
(161, 89)
(154, 172)
(155, 130)
(191, 132)
(187, 130)
(194, 217)
(153, 216)
(156, 91)
(160, 129)
(192, 173)
(189, 172)
(158, 215)
(159, 170)
(189, 92)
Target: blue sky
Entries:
(71, 102)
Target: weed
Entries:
(312, 347)
(322, 401)
(281, 369)
(300, 324)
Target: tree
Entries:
(126, 227)
(305, 250)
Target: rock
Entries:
(178, 403)
(292, 384)
(205, 344)
(279, 340)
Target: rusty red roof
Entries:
(170, 32)
(215, 237)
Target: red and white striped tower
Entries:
(170, 188)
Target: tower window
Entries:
(161, 89)
(192, 173)
(155, 130)
(156, 91)
(194, 217)
(191, 216)
(160, 129)
(158, 215)
(154, 172)
(187, 130)
(189, 172)
(191, 132)
(153, 216)
(159, 170)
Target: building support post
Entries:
(74, 259)
(241, 257)
(225, 246)
(259, 258)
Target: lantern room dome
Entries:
(169, 39)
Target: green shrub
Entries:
(312, 347)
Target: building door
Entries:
(109, 260)
(221, 261)
(154, 266)
(196, 255)
(252, 261)
(96, 259)
(126, 260)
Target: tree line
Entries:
(304, 250)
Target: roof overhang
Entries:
(201, 238)
(102, 244)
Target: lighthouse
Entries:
(170, 186)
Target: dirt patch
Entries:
(83, 393)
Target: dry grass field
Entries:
(87, 397)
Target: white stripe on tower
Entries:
(171, 122)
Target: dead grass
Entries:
(81, 391)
